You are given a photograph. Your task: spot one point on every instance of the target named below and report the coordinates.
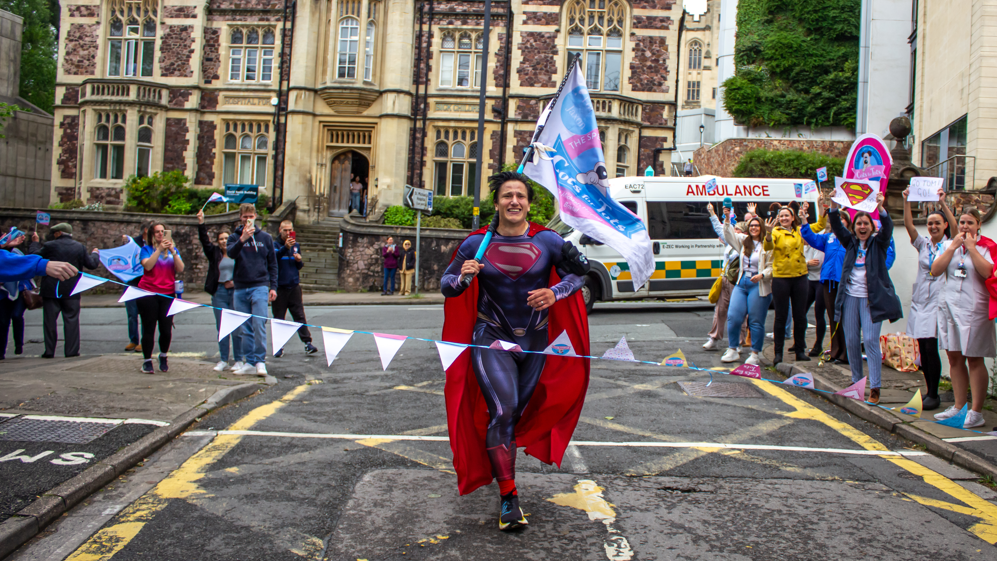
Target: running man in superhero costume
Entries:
(514, 296)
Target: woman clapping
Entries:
(965, 330)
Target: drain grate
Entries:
(30, 429)
(719, 389)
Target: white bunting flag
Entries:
(387, 346)
(230, 322)
(180, 306)
(449, 353)
(87, 282)
(501, 345)
(620, 352)
(131, 293)
(801, 380)
(561, 346)
(334, 340)
(282, 332)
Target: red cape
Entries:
(991, 282)
(552, 414)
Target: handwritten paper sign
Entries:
(924, 188)
(856, 194)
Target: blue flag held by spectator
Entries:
(123, 261)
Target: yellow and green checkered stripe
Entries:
(674, 269)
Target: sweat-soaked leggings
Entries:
(507, 381)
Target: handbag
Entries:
(32, 299)
(900, 352)
(716, 289)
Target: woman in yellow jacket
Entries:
(789, 280)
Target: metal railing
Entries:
(954, 171)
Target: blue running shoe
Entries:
(512, 516)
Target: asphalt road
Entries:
(350, 462)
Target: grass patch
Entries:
(944, 386)
(414, 296)
(988, 481)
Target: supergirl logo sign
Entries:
(728, 191)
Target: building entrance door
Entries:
(345, 167)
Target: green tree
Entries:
(796, 63)
(5, 112)
(38, 50)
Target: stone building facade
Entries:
(385, 90)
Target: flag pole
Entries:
(482, 101)
(536, 134)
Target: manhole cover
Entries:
(719, 389)
(50, 430)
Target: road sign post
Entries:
(420, 200)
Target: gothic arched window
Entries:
(455, 162)
(596, 33)
(131, 43)
(695, 55)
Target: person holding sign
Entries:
(866, 296)
(922, 324)
(966, 331)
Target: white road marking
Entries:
(575, 459)
(969, 438)
(74, 419)
(634, 444)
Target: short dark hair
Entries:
(496, 181)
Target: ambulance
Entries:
(687, 252)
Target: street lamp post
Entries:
(702, 129)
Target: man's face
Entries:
(285, 230)
(247, 216)
(512, 202)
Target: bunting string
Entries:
(388, 346)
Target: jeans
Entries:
(355, 202)
(222, 298)
(131, 307)
(745, 301)
(389, 275)
(254, 331)
(856, 322)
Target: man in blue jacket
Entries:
(14, 267)
(255, 280)
(289, 286)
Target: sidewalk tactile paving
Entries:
(719, 389)
(42, 430)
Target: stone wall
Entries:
(361, 265)
(212, 61)
(721, 159)
(104, 230)
(649, 67)
(205, 153)
(176, 145)
(176, 48)
(539, 65)
(81, 60)
(68, 143)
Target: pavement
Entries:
(130, 466)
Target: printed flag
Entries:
(215, 198)
(822, 174)
(676, 359)
(809, 188)
(854, 391)
(568, 161)
(711, 186)
(801, 380)
(561, 346)
(123, 261)
(914, 407)
(747, 371)
(620, 352)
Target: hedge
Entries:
(796, 63)
(786, 164)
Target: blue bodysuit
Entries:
(514, 266)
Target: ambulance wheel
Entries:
(591, 292)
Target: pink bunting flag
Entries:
(747, 371)
(505, 346)
(854, 391)
(387, 346)
(801, 380)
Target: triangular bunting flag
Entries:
(87, 282)
(914, 407)
(387, 346)
(449, 352)
(854, 391)
(179, 306)
(958, 420)
(677, 359)
(620, 352)
(561, 346)
(747, 371)
(282, 331)
(230, 322)
(801, 380)
(505, 346)
(334, 340)
(131, 293)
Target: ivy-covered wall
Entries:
(796, 63)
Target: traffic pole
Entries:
(418, 248)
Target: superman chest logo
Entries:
(513, 259)
(856, 192)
